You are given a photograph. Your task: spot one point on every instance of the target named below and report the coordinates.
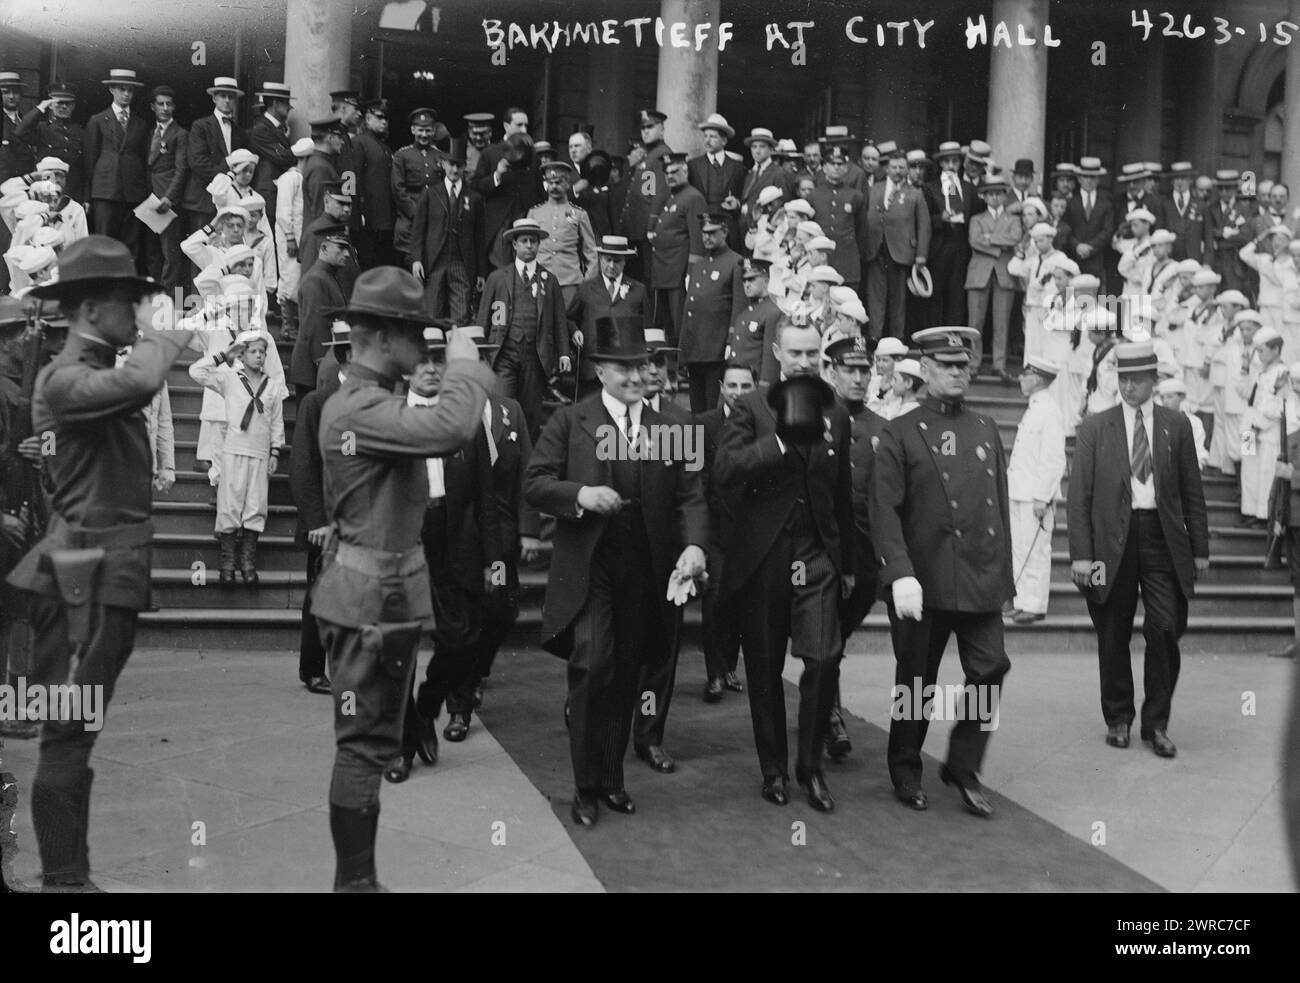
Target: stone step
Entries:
(197, 518)
(186, 590)
(183, 550)
(194, 487)
(1245, 570)
(187, 399)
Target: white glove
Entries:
(681, 587)
(907, 598)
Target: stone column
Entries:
(1207, 104)
(1291, 121)
(688, 79)
(317, 59)
(1141, 121)
(611, 91)
(1018, 86)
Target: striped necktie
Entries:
(1141, 449)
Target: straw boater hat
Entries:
(11, 80)
(522, 226)
(1135, 356)
(224, 83)
(615, 246)
(760, 134)
(919, 282)
(122, 76)
(949, 148)
(340, 334)
(1090, 167)
(274, 90)
(656, 342)
(95, 259)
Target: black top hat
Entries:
(96, 258)
(620, 339)
(519, 149)
(390, 293)
(455, 151)
(800, 403)
(1024, 167)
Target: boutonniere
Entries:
(514, 435)
(622, 291)
(465, 206)
(541, 275)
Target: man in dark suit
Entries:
(268, 137)
(1226, 229)
(789, 558)
(447, 240)
(952, 201)
(507, 179)
(626, 528)
(320, 295)
(16, 157)
(719, 176)
(765, 172)
(48, 129)
(609, 295)
(940, 523)
(373, 161)
(117, 154)
(1090, 216)
(169, 167)
(212, 139)
(1137, 520)
(894, 233)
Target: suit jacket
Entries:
(679, 235)
(497, 308)
(169, 164)
(773, 175)
(207, 155)
(865, 428)
(715, 183)
(116, 159)
(1152, 203)
(373, 160)
(432, 228)
(274, 156)
(16, 156)
(566, 458)
(473, 529)
(592, 301)
(764, 485)
(990, 256)
(514, 516)
(947, 235)
(306, 466)
(1218, 247)
(1094, 230)
(49, 137)
(518, 191)
(904, 227)
(715, 295)
(319, 293)
(1100, 496)
(839, 212)
(711, 423)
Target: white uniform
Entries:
(1267, 394)
(288, 222)
(1037, 285)
(1034, 475)
(1270, 286)
(1135, 263)
(1225, 374)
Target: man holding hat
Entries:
(718, 175)
(320, 295)
(268, 137)
(415, 167)
(1226, 230)
(447, 240)
(627, 528)
(98, 537)
(752, 336)
(675, 230)
(48, 129)
(941, 526)
(1033, 482)
(612, 294)
(507, 178)
(1090, 215)
(569, 248)
(523, 310)
(952, 201)
(784, 461)
(117, 155)
(1137, 520)
(714, 295)
(894, 230)
(212, 139)
(647, 188)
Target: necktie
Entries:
(122, 118)
(717, 163)
(1182, 204)
(1087, 205)
(627, 427)
(613, 292)
(1141, 449)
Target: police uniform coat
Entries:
(646, 189)
(715, 295)
(751, 336)
(321, 169)
(373, 161)
(306, 465)
(679, 235)
(50, 137)
(319, 293)
(839, 211)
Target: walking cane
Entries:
(1034, 542)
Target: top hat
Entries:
(96, 258)
(1024, 167)
(120, 76)
(273, 90)
(947, 344)
(388, 292)
(456, 150)
(224, 83)
(620, 339)
(519, 150)
(800, 403)
(716, 121)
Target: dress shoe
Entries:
(427, 749)
(972, 798)
(584, 809)
(398, 770)
(774, 791)
(1287, 653)
(457, 729)
(1027, 617)
(657, 758)
(1161, 744)
(733, 683)
(837, 737)
(713, 690)
(1117, 735)
(912, 795)
(819, 796)
(317, 684)
(618, 801)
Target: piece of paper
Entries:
(147, 212)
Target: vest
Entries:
(524, 318)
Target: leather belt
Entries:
(116, 537)
(379, 563)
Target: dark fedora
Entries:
(96, 258)
(390, 293)
(800, 403)
(455, 151)
(620, 339)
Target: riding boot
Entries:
(248, 557)
(227, 542)
(354, 833)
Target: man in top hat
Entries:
(48, 129)
(415, 167)
(117, 153)
(994, 235)
(646, 190)
(447, 240)
(611, 294)
(715, 295)
(1022, 181)
(752, 336)
(784, 461)
(629, 529)
(523, 310)
(940, 524)
(718, 175)
(372, 599)
(320, 171)
(268, 137)
(675, 231)
(478, 133)
(952, 201)
(1183, 214)
(894, 232)
(507, 178)
(597, 193)
(212, 139)
(98, 537)
(1226, 229)
(839, 213)
(307, 484)
(373, 161)
(1137, 520)
(765, 173)
(569, 248)
(320, 295)
(1090, 215)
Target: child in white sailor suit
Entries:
(1275, 241)
(254, 404)
(1261, 429)
(881, 398)
(209, 245)
(1135, 254)
(1034, 476)
(907, 385)
(1173, 393)
(1033, 266)
(239, 259)
(1230, 366)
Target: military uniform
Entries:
(50, 137)
(569, 248)
(320, 173)
(414, 169)
(715, 291)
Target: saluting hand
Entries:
(459, 345)
(417, 271)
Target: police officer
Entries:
(372, 599)
(48, 129)
(321, 170)
(646, 189)
(415, 167)
(98, 537)
(715, 294)
(373, 161)
(676, 233)
(940, 525)
(838, 209)
(479, 135)
(752, 336)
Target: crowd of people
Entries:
(473, 322)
